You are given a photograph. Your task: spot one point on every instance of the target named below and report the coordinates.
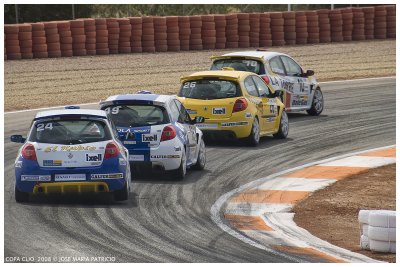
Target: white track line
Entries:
(85, 104)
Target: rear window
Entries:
(137, 115)
(68, 132)
(210, 89)
(238, 64)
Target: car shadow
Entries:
(265, 142)
(192, 176)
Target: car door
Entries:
(300, 98)
(270, 108)
(255, 98)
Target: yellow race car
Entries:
(235, 104)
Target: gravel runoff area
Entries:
(52, 82)
(332, 213)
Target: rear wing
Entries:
(105, 104)
(260, 58)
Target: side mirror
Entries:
(198, 119)
(309, 73)
(17, 138)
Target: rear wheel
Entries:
(283, 127)
(317, 105)
(254, 137)
(21, 196)
(122, 194)
(201, 158)
(181, 171)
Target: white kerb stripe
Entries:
(295, 184)
(255, 209)
(361, 161)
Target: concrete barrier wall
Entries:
(101, 36)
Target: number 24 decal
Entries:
(43, 126)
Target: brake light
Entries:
(168, 133)
(240, 105)
(112, 151)
(266, 79)
(28, 152)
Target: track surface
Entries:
(169, 221)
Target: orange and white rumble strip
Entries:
(259, 213)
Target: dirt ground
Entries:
(52, 82)
(332, 213)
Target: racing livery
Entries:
(301, 89)
(158, 132)
(235, 104)
(71, 151)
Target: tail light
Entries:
(168, 133)
(112, 151)
(28, 152)
(266, 79)
(240, 105)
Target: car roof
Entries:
(61, 112)
(154, 98)
(233, 74)
(266, 55)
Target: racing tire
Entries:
(317, 105)
(254, 138)
(283, 126)
(20, 196)
(201, 158)
(180, 173)
(122, 194)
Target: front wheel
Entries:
(201, 158)
(21, 196)
(254, 137)
(317, 105)
(283, 126)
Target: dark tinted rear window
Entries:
(210, 89)
(137, 115)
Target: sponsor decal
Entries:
(165, 156)
(18, 164)
(70, 155)
(129, 142)
(178, 149)
(122, 162)
(69, 148)
(247, 115)
(207, 125)
(36, 178)
(107, 176)
(70, 161)
(271, 119)
(219, 111)
(191, 111)
(230, 124)
(300, 101)
(136, 157)
(70, 177)
(149, 137)
(51, 163)
(271, 101)
(90, 157)
(287, 86)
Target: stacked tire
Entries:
(113, 35)
(369, 16)
(173, 41)
(254, 30)
(39, 43)
(324, 26)
(208, 33)
(25, 40)
(160, 34)
(277, 29)
(196, 42)
(90, 32)
(125, 32)
(52, 39)
(184, 32)
(101, 37)
(12, 42)
(231, 32)
(301, 27)
(380, 26)
(347, 28)
(289, 27)
(220, 31)
(358, 24)
(335, 17)
(64, 30)
(78, 37)
(265, 30)
(312, 27)
(391, 21)
(244, 29)
(136, 34)
(148, 35)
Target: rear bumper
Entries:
(71, 187)
(232, 128)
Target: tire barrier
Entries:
(182, 33)
(378, 230)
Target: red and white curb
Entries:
(259, 213)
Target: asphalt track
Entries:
(169, 221)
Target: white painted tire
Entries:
(382, 218)
(382, 246)
(382, 233)
(363, 216)
(364, 229)
(364, 242)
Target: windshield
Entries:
(238, 64)
(209, 89)
(137, 115)
(68, 132)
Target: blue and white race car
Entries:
(158, 132)
(71, 151)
